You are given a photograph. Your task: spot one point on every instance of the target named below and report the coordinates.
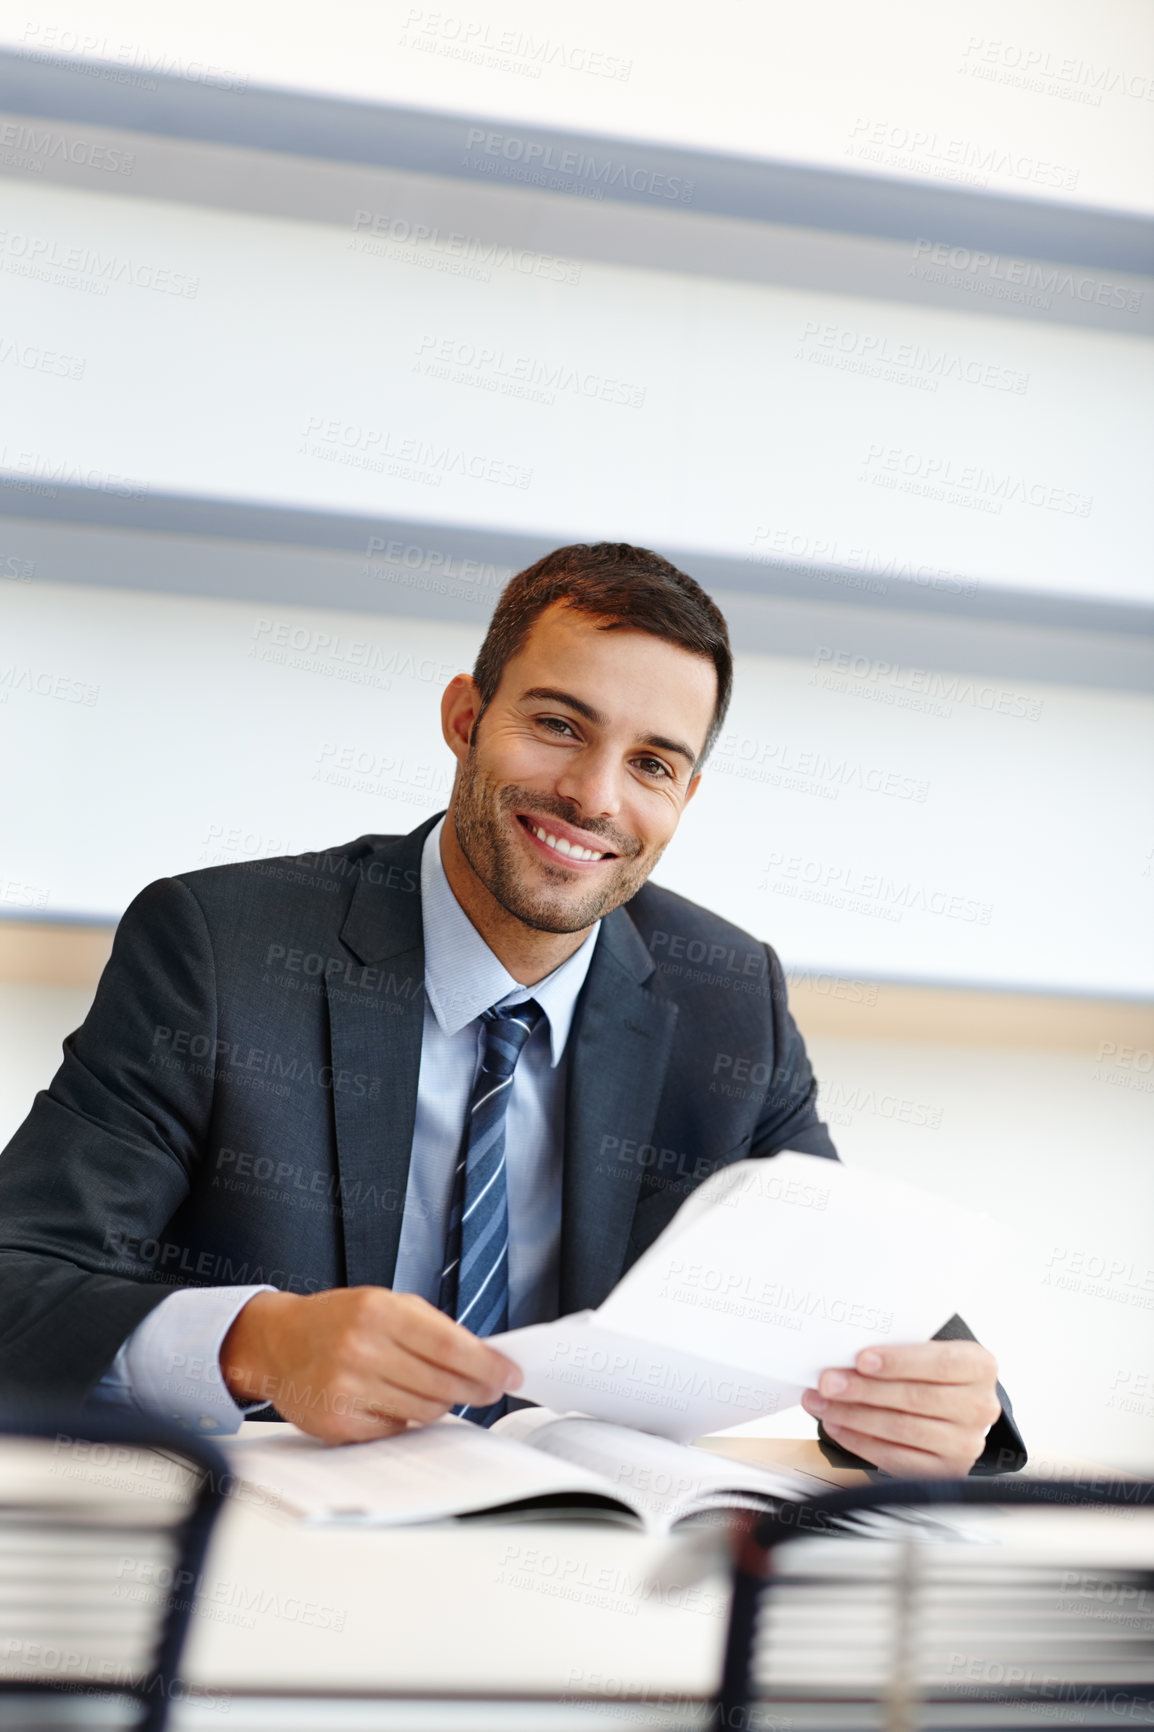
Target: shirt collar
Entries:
(462, 975)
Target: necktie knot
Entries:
(506, 1032)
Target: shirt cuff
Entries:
(170, 1364)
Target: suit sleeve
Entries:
(106, 1153)
(789, 1117)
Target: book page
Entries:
(670, 1480)
(424, 1474)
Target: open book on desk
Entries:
(532, 1462)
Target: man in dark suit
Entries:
(334, 1119)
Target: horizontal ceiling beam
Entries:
(649, 173)
(275, 555)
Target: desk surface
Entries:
(559, 1610)
(804, 1453)
(579, 1622)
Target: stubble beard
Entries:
(481, 812)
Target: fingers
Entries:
(934, 1400)
(430, 1335)
(903, 1461)
(923, 1408)
(377, 1333)
(430, 1388)
(948, 1380)
(400, 1383)
(937, 1437)
(381, 1361)
(435, 1364)
(930, 1362)
(353, 1408)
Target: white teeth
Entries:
(563, 846)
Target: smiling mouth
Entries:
(573, 853)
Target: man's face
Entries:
(580, 768)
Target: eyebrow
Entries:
(550, 695)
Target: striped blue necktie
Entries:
(475, 1276)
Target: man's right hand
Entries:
(356, 1363)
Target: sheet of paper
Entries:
(577, 1365)
(771, 1271)
(797, 1264)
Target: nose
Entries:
(592, 780)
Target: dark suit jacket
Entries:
(238, 1105)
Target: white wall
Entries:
(34, 1021)
(690, 412)
(999, 837)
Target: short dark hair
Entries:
(621, 587)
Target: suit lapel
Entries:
(619, 1051)
(376, 1016)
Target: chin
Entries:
(556, 917)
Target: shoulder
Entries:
(326, 871)
(684, 939)
(291, 892)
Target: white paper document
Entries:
(771, 1271)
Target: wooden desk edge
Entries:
(803, 1455)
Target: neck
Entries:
(527, 954)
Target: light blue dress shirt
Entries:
(170, 1364)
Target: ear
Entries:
(460, 707)
(694, 784)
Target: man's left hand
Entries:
(918, 1412)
